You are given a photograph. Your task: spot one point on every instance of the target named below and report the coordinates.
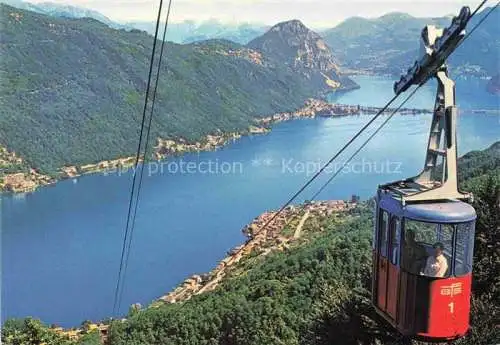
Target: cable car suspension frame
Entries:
(431, 183)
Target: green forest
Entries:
(316, 293)
(73, 89)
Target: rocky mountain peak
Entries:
(291, 39)
(294, 26)
(303, 50)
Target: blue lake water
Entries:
(61, 244)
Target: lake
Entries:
(61, 245)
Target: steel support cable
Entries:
(478, 8)
(181, 306)
(137, 161)
(382, 125)
(364, 128)
(327, 164)
(337, 172)
(146, 146)
(480, 21)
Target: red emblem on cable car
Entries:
(451, 290)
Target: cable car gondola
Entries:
(424, 234)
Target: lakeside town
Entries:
(314, 107)
(266, 233)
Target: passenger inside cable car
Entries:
(436, 265)
(428, 248)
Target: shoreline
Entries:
(276, 236)
(30, 180)
(280, 235)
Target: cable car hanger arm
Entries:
(433, 183)
(436, 45)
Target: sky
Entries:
(315, 13)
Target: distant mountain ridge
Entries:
(190, 31)
(62, 11)
(187, 31)
(385, 45)
(389, 44)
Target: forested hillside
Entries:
(315, 293)
(73, 89)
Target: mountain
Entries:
(59, 10)
(190, 31)
(240, 33)
(479, 54)
(21, 5)
(375, 44)
(73, 89)
(177, 32)
(63, 11)
(390, 44)
(302, 50)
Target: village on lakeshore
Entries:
(29, 181)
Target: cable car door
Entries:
(382, 262)
(393, 267)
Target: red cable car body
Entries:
(419, 306)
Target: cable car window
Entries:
(395, 231)
(427, 248)
(384, 222)
(464, 248)
(414, 253)
(422, 232)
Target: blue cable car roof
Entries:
(452, 211)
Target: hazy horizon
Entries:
(314, 13)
